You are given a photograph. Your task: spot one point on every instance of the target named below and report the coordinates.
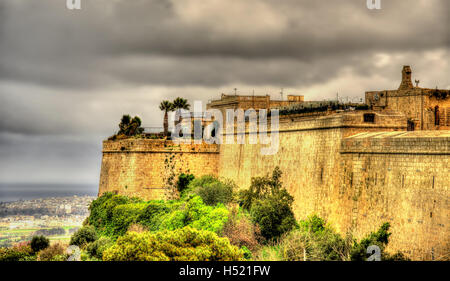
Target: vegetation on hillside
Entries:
(183, 244)
(208, 221)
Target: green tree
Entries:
(263, 187)
(166, 106)
(124, 123)
(270, 205)
(178, 104)
(84, 236)
(274, 215)
(39, 243)
(135, 127)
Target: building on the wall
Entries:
(234, 102)
(425, 108)
(355, 165)
(255, 102)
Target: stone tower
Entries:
(406, 78)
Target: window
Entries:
(411, 125)
(369, 118)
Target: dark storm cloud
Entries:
(212, 42)
(33, 159)
(294, 29)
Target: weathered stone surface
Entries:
(400, 177)
(142, 167)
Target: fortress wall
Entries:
(358, 183)
(142, 167)
(401, 178)
(309, 159)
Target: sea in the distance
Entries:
(26, 191)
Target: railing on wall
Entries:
(153, 130)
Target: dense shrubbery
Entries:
(101, 211)
(185, 244)
(379, 238)
(154, 213)
(313, 240)
(9, 254)
(20, 252)
(183, 181)
(261, 226)
(125, 215)
(198, 215)
(95, 249)
(55, 252)
(23, 251)
(113, 214)
(212, 190)
(241, 231)
(84, 236)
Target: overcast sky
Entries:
(67, 76)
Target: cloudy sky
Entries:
(67, 76)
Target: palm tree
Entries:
(178, 104)
(130, 127)
(124, 123)
(166, 106)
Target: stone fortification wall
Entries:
(402, 178)
(144, 167)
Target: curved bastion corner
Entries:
(143, 167)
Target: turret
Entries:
(406, 78)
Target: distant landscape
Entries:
(26, 191)
(54, 217)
